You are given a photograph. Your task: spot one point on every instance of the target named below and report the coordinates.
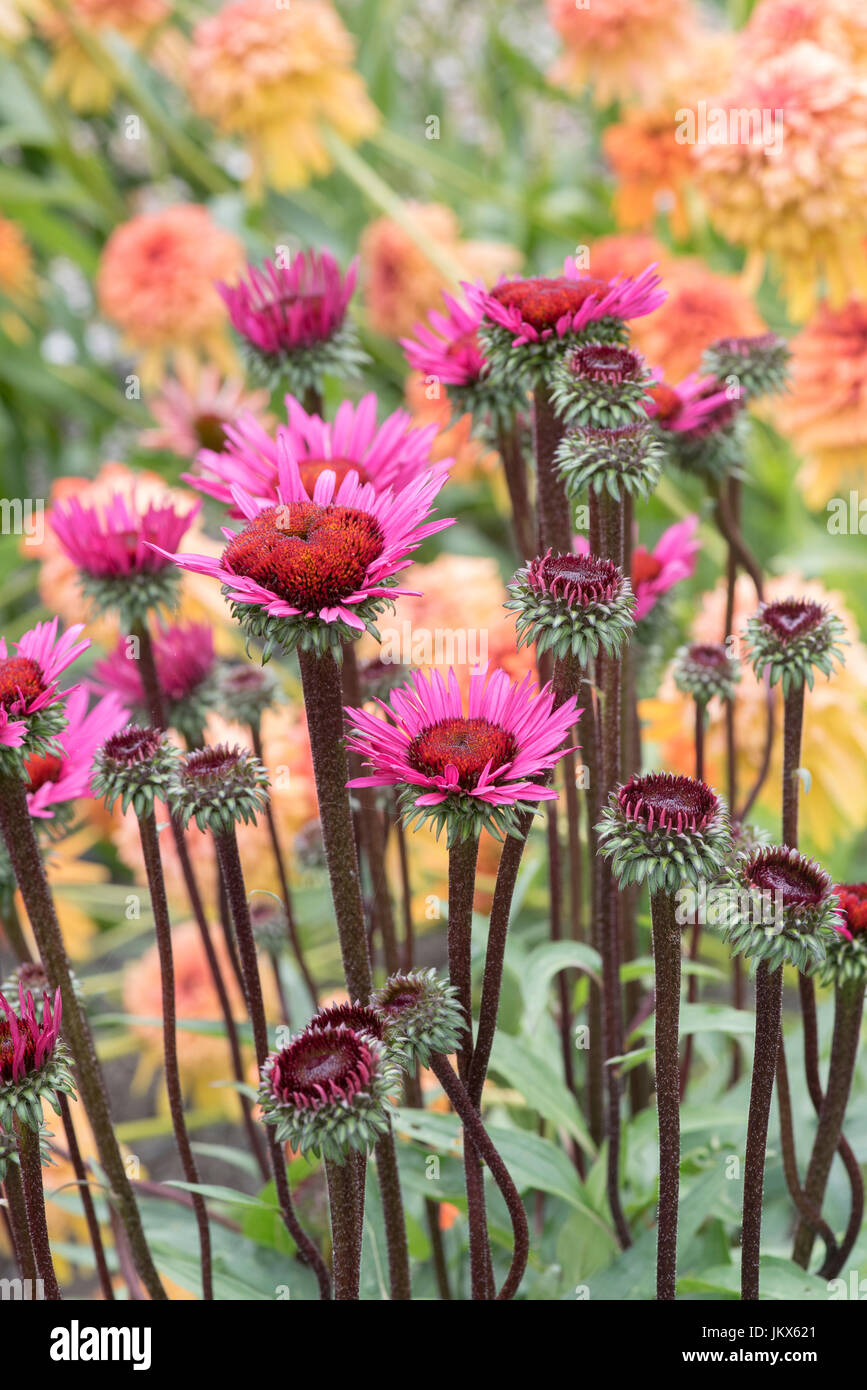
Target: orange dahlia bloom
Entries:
(802, 207)
(75, 74)
(401, 285)
(156, 282)
(279, 76)
(624, 48)
(826, 412)
(651, 170)
(840, 26)
(835, 722)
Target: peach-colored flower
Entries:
(401, 285)
(835, 722)
(826, 412)
(280, 76)
(651, 169)
(78, 75)
(455, 439)
(194, 408)
(625, 49)
(840, 26)
(156, 282)
(802, 206)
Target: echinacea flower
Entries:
(825, 412)
(327, 1092)
(600, 384)
(704, 670)
(55, 779)
(656, 571)
(280, 77)
(312, 573)
(389, 455)
(244, 691)
(446, 351)
(134, 765)
(32, 710)
(463, 770)
(664, 830)
(33, 1065)
(572, 604)
(846, 952)
(185, 662)
(623, 460)
(802, 205)
(359, 1017)
(194, 409)
(790, 637)
(783, 909)
(419, 1014)
(624, 49)
(292, 321)
(157, 282)
(529, 322)
(115, 547)
(218, 787)
(702, 424)
(758, 365)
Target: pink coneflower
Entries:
(28, 680)
(119, 549)
(449, 349)
(537, 308)
(56, 778)
(27, 1041)
(656, 571)
(282, 308)
(493, 756)
(853, 904)
(389, 455)
(194, 410)
(692, 406)
(184, 657)
(320, 568)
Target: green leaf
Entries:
(542, 964)
(540, 1085)
(779, 1279)
(715, 1018)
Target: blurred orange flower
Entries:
(624, 49)
(840, 26)
(650, 168)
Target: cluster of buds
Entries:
(572, 605)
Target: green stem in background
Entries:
(848, 1010)
(283, 878)
(345, 1242)
(666, 956)
(769, 1010)
(481, 1141)
(554, 518)
(163, 928)
(84, 1192)
(233, 876)
(24, 853)
(511, 451)
(17, 1210)
(30, 1157)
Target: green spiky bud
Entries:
(665, 831)
(791, 638)
(573, 605)
(135, 765)
(602, 385)
(218, 787)
(244, 691)
(760, 364)
(703, 671)
(625, 461)
(420, 1014)
(782, 909)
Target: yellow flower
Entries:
(75, 73)
(624, 48)
(794, 192)
(835, 723)
(280, 75)
(826, 412)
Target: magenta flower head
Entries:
(292, 321)
(33, 1063)
(791, 638)
(217, 787)
(531, 321)
(665, 831)
(783, 909)
(759, 365)
(57, 779)
(449, 353)
(316, 573)
(121, 551)
(701, 423)
(32, 711)
(328, 1091)
(186, 666)
(656, 571)
(465, 771)
(846, 958)
(389, 455)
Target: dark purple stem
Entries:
(666, 956)
(34, 1197)
(769, 1008)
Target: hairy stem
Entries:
(345, 1241)
(769, 1008)
(666, 956)
(34, 1198)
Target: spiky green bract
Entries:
(132, 595)
(41, 740)
(22, 1100)
(760, 364)
(463, 816)
(704, 670)
(665, 831)
(245, 691)
(782, 909)
(218, 787)
(713, 453)
(304, 368)
(572, 605)
(328, 1091)
(846, 958)
(626, 461)
(791, 639)
(9, 1150)
(420, 1014)
(135, 766)
(519, 366)
(33, 1061)
(300, 633)
(601, 384)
